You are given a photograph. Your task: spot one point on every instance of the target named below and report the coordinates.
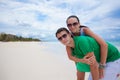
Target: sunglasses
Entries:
(63, 36)
(73, 24)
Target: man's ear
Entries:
(70, 35)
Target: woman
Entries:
(76, 29)
(84, 48)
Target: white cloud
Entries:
(48, 15)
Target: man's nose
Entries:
(63, 39)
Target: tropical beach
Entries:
(28, 47)
(35, 61)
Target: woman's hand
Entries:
(89, 59)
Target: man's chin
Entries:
(67, 43)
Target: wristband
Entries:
(102, 66)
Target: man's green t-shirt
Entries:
(86, 44)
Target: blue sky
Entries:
(41, 18)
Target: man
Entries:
(84, 47)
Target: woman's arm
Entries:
(88, 59)
(103, 49)
(102, 43)
(69, 53)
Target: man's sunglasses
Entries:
(63, 36)
(73, 24)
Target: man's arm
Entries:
(93, 67)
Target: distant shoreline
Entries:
(10, 37)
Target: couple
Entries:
(90, 52)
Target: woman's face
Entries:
(73, 25)
(64, 37)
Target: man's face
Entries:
(73, 25)
(64, 37)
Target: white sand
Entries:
(35, 61)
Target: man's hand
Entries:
(101, 73)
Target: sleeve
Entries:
(85, 45)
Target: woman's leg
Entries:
(80, 75)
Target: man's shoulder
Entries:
(80, 38)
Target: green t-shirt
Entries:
(86, 44)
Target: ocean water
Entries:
(116, 44)
(59, 49)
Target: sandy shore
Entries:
(35, 61)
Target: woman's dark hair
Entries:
(81, 26)
(61, 29)
(73, 16)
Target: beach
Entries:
(35, 61)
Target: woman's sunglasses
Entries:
(63, 36)
(73, 24)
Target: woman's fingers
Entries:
(91, 60)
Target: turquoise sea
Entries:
(116, 43)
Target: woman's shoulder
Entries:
(83, 30)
